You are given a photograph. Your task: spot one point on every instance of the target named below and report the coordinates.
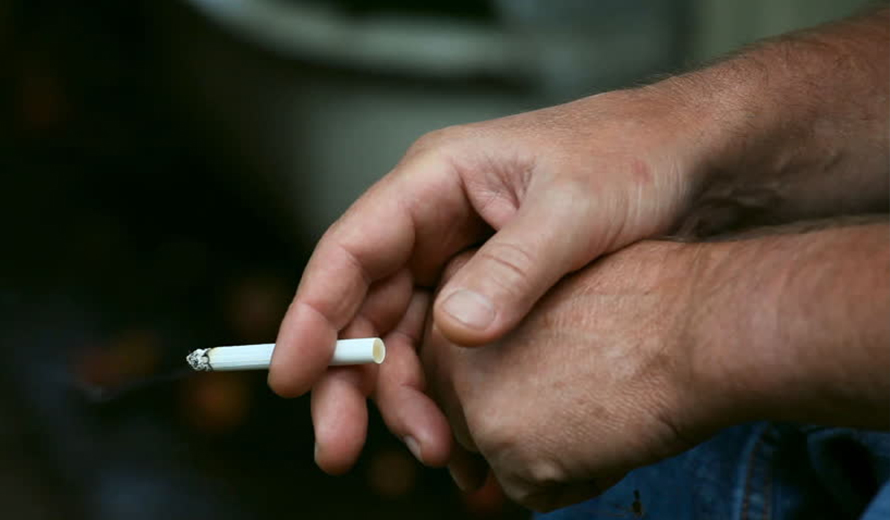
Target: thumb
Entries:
(496, 288)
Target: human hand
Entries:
(600, 378)
(543, 192)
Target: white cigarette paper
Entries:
(258, 357)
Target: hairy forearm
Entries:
(794, 127)
(797, 327)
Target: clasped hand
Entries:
(544, 193)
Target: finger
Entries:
(384, 307)
(550, 236)
(333, 287)
(339, 399)
(425, 216)
(437, 360)
(468, 470)
(440, 369)
(408, 412)
(340, 416)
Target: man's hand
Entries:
(544, 193)
(597, 380)
(649, 350)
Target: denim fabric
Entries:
(761, 471)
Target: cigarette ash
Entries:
(199, 360)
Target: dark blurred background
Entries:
(166, 167)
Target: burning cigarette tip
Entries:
(199, 360)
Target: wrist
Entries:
(792, 128)
(717, 368)
(793, 327)
(718, 125)
(679, 131)
(733, 318)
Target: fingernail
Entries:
(457, 479)
(413, 447)
(470, 308)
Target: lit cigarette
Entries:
(258, 357)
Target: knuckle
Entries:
(436, 140)
(488, 433)
(538, 473)
(528, 474)
(543, 473)
(529, 495)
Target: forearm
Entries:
(797, 327)
(795, 127)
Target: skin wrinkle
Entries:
(502, 192)
(514, 192)
(495, 203)
(610, 238)
(517, 261)
(725, 207)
